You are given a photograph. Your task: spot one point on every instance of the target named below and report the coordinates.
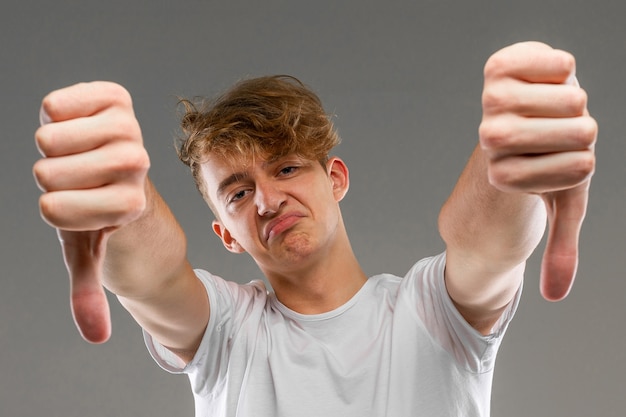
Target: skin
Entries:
(286, 215)
(533, 162)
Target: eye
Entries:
(288, 170)
(237, 196)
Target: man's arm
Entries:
(534, 162)
(114, 228)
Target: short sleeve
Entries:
(424, 288)
(231, 304)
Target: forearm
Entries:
(147, 268)
(489, 234)
(534, 164)
(487, 223)
(143, 256)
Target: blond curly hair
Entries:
(267, 117)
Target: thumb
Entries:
(566, 211)
(84, 256)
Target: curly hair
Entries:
(267, 117)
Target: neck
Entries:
(321, 285)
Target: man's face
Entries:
(283, 212)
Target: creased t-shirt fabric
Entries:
(399, 347)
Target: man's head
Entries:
(266, 117)
(260, 157)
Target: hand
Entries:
(539, 139)
(93, 175)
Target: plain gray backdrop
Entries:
(403, 80)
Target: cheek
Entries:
(243, 228)
(326, 209)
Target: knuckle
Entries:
(118, 94)
(128, 128)
(132, 159)
(509, 175)
(494, 136)
(41, 174)
(499, 177)
(592, 130)
(50, 105)
(587, 133)
(585, 165)
(577, 100)
(46, 140)
(138, 204)
(133, 205)
(567, 60)
(494, 101)
(48, 208)
(42, 141)
(141, 160)
(495, 65)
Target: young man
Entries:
(328, 341)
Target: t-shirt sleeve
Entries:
(424, 287)
(231, 304)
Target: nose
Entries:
(268, 198)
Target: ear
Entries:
(227, 239)
(338, 173)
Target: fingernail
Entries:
(572, 80)
(44, 118)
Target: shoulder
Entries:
(215, 284)
(426, 275)
(232, 302)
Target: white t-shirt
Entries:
(398, 348)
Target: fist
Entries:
(536, 131)
(539, 139)
(93, 176)
(95, 166)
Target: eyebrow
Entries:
(231, 179)
(240, 176)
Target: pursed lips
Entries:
(280, 224)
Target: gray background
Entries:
(404, 80)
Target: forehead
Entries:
(215, 169)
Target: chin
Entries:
(297, 246)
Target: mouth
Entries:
(280, 224)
